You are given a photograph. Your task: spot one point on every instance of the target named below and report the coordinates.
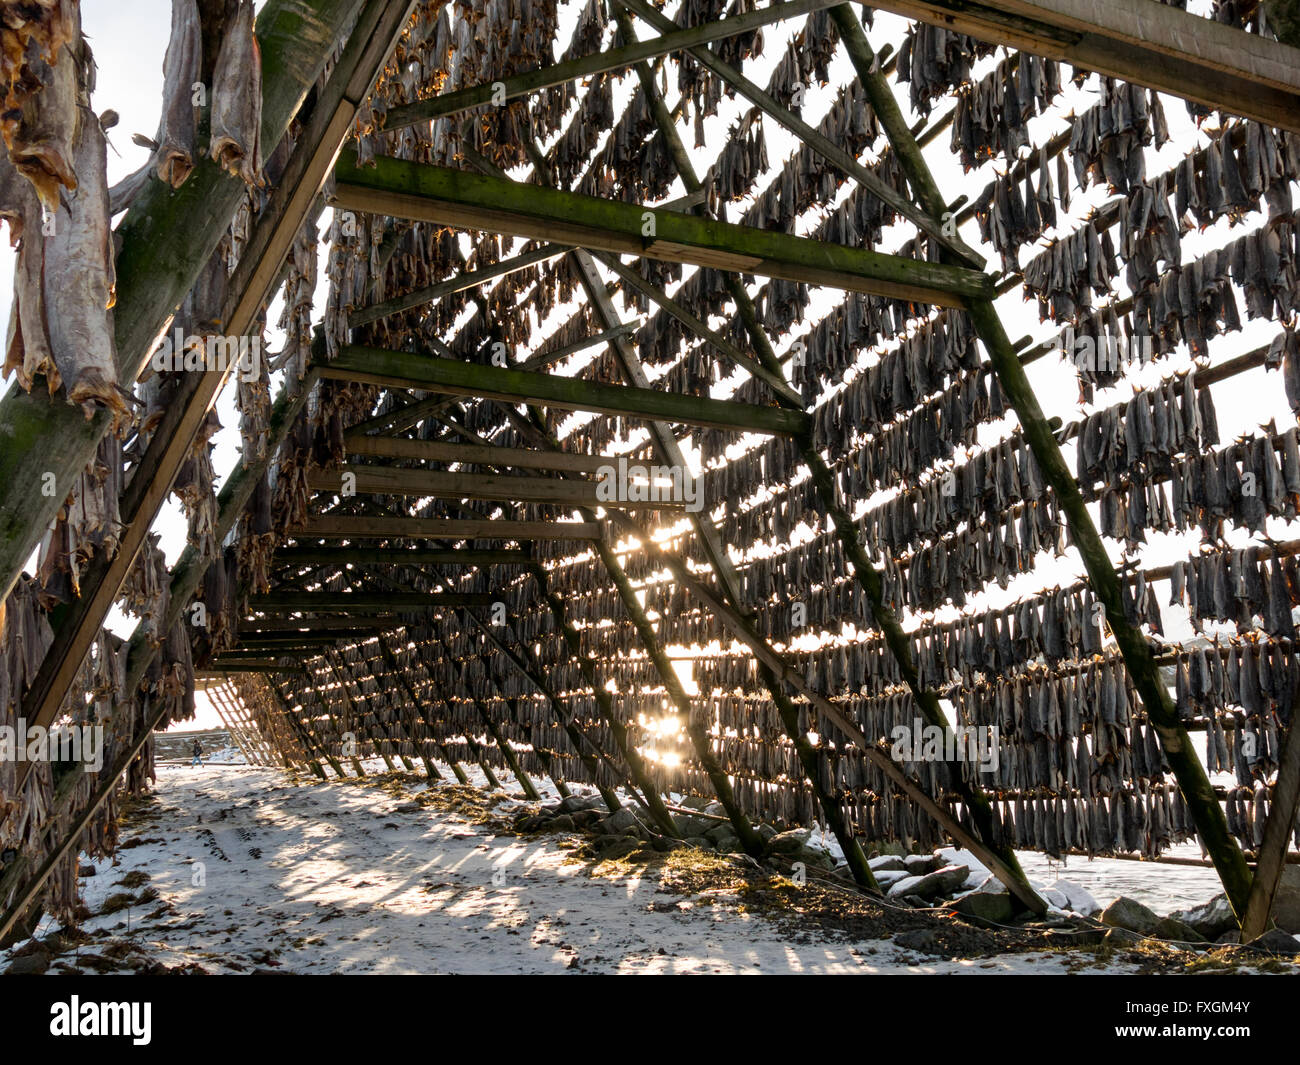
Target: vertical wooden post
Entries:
(1271, 857)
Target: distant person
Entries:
(197, 750)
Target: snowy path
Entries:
(350, 879)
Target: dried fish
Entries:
(237, 100)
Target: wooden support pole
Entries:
(554, 355)
(269, 243)
(652, 292)
(367, 720)
(819, 143)
(471, 278)
(1271, 855)
(776, 671)
(750, 840)
(305, 735)
(473, 201)
(342, 602)
(1174, 740)
(405, 369)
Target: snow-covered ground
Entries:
(254, 870)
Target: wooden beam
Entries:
(235, 664)
(310, 626)
(550, 358)
(392, 480)
(341, 602)
(330, 527)
(1141, 41)
(474, 201)
(477, 454)
(396, 556)
(404, 369)
(614, 59)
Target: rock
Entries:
(694, 802)
(921, 939)
(86, 869)
(1211, 919)
(1286, 903)
(789, 843)
(586, 818)
(903, 886)
(621, 821)
(992, 906)
(554, 810)
(766, 832)
(887, 863)
(1178, 931)
(1121, 937)
(717, 809)
(718, 831)
(815, 858)
(563, 823)
(1276, 941)
(887, 878)
(920, 864)
(726, 843)
(1232, 935)
(574, 803)
(33, 964)
(941, 882)
(1131, 914)
(692, 826)
(663, 844)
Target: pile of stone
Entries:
(1210, 924)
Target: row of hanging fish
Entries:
(1242, 484)
(991, 117)
(987, 482)
(1010, 219)
(930, 433)
(1236, 586)
(1147, 431)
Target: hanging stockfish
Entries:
(237, 100)
(42, 54)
